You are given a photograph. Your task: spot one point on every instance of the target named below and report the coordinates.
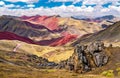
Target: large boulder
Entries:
(80, 60)
(96, 50)
(85, 58)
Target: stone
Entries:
(86, 58)
(96, 49)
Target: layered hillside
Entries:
(109, 35)
(79, 27)
(33, 33)
(45, 30)
(49, 22)
(22, 28)
(12, 36)
(72, 26)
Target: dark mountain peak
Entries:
(79, 17)
(8, 16)
(107, 17)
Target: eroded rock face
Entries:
(79, 59)
(85, 58)
(96, 50)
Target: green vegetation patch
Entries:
(108, 73)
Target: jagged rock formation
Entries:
(96, 49)
(85, 58)
(79, 59)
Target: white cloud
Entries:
(30, 5)
(116, 3)
(105, 10)
(76, 1)
(63, 10)
(26, 1)
(2, 3)
(9, 6)
(88, 2)
(114, 8)
(99, 1)
(61, 0)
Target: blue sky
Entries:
(65, 8)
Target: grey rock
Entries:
(80, 61)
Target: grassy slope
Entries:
(110, 35)
(10, 71)
(52, 53)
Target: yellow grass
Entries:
(83, 26)
(58, 53)
(11, 71)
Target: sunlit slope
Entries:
(47, 30)
(52, 53)
(110, 35)
(79, 27)
(73, 26)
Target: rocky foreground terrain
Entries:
(85, 62)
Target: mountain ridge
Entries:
(47, 29)
(109, 35)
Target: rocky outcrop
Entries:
(97, 52)
(85, 58)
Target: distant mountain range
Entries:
(107, 17)
(45, 30)
(50, 30)
(103, 21)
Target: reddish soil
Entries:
(12, 36)
(50, 22)
(53, 42)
